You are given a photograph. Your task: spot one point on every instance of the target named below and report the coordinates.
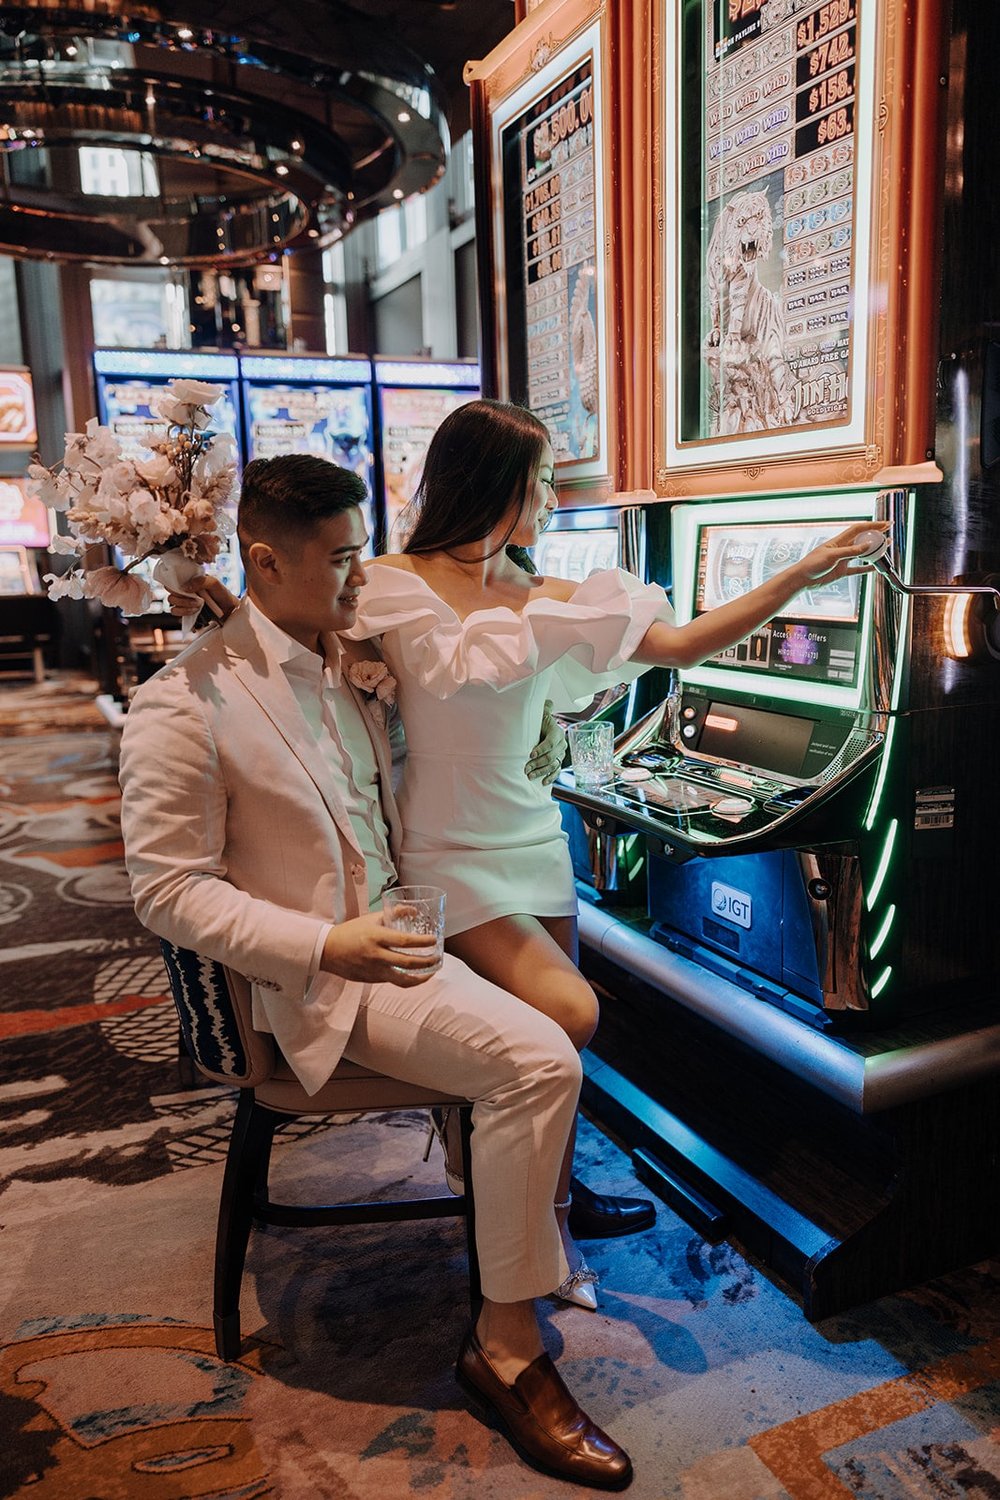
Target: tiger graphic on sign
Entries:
(745, 347)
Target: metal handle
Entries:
(884, 566)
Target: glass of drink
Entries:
(592, 748)
(416, 908)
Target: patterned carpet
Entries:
(109, 1181)
(64, 702)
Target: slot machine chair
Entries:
(29, 623)
(213, 1004)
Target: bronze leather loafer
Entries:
(543, 1421)
(594, 1217)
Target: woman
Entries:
(477, 645)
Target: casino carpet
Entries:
(109, 1178)
(63, 702)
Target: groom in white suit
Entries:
(259, 825)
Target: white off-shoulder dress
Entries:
(471, 693)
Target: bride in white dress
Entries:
(476, 645)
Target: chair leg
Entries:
(186, 1073)
(253, 1129)
(475, 1282)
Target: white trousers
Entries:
(461, 1033)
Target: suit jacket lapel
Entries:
(265, 681)
(365, 651)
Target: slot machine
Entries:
(816, 802)
(809, 272)
(301, 403)
(127, 383)
(414, 397)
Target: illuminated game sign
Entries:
(17, 410)
(550, 244)
(773, 187)
(24, 520)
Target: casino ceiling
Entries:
(240, 130)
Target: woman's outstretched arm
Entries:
(688, 645)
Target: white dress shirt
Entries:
(337, 724)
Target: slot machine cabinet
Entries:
(825, 306)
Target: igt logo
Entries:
(732, 905)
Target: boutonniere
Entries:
(374, 679)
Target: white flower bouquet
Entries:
(171, 505)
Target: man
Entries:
(259, 823)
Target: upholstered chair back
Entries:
(214, 1006)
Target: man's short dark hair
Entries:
(283, 499)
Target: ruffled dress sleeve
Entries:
(588, 638)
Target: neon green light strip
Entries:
(881, 982)
(883, 770)
(883, 864)
(883, 933)
(902, 644)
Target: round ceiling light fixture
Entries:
(123, 140)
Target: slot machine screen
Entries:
(576, 554)
(549, 139)
(816, 636)
(414, 400)
(815, 648)
(128, 383)
(24, 520)
(302, 405)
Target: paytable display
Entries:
(782, 295)
(550, 171)
(543, 112)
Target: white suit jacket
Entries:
(236, 842)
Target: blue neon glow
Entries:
(883, 864)
(169, 364)
(407, 372)
(330, 371)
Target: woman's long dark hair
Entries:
(484, 457)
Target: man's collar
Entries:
(290, 653)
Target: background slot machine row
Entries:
(24, 521)
(311, 404)
(127, 384)
(413, 399)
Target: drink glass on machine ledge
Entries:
(592, 748)
(416, 908)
